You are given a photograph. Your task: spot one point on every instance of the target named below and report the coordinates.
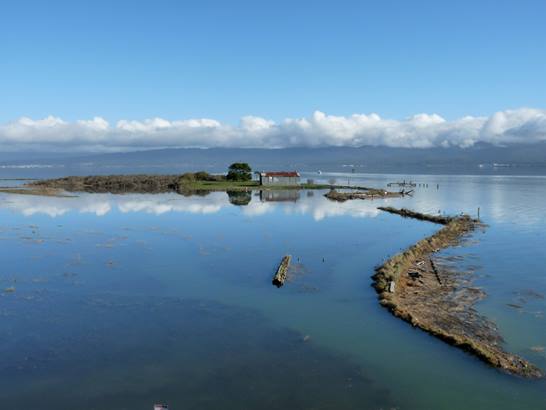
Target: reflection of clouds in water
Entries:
(257, 208)
(322, 208)
(504, 199)
(317, 206)
(55, 207)
(158, 204)
(512, 200)
(501, 200)
(50, 210)
(102, 204)
(154, 207)
(99, 208)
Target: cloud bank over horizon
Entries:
(523, 125)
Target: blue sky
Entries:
(223, 60)
(275, 59)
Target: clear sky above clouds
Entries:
(224, 60)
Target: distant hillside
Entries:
(480, 159)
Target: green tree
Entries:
(239, 171)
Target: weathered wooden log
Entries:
(282, 271)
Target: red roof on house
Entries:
(280, 174)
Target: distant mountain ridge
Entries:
(479, 159)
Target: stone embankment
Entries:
(415, 289)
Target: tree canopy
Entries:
(239, 171)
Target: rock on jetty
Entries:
(412, 287)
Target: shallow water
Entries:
(120, 301)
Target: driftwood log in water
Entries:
(282, 271)
(412, 287)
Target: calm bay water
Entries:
(120, 301)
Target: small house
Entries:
(283, 178)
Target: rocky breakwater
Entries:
(439, 301)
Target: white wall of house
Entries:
(279, 180)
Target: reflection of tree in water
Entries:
(239, 197)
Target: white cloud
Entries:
(525, 125)
(158, 204)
